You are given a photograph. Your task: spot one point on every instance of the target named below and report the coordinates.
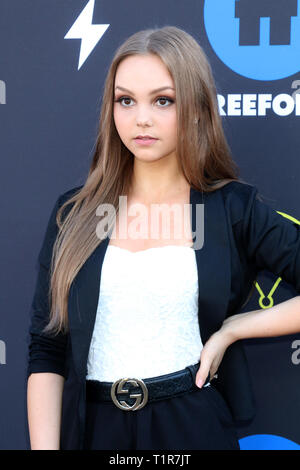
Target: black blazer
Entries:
(242, 236)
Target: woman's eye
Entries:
(119, 100)
(160, 98)
(164, 98)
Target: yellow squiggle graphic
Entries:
(262, 296)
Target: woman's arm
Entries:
(269, 242)
(44, 406)
(46, 371)
(279, 320)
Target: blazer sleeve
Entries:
(46, 353)
(271, 241)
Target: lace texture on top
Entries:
(147, 316)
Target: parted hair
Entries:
(202, 151)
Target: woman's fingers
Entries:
(202, 374)
(210, 359)
(203, 371)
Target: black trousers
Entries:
(196, 420)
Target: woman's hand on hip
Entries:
(212, 354)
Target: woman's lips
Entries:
(145, 141)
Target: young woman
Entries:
(135, 336)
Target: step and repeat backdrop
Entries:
(54, 56)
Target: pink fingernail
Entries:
(199, 383)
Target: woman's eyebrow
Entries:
(151, 92)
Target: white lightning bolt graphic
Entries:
(89, 33)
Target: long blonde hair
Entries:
(202, 151)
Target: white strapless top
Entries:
(147, 316)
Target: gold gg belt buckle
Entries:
(141, 398)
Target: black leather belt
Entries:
(137, 392)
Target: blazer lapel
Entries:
(214, 276)
(213, 262)
(82, 307)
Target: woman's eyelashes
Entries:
(164, 98)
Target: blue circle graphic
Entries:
(261, 56)
(267, 442)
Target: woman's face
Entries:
(139, 110)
